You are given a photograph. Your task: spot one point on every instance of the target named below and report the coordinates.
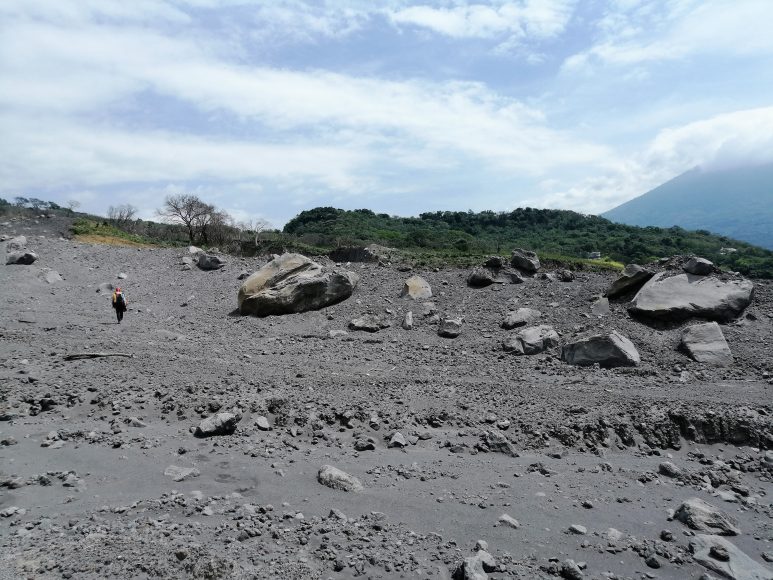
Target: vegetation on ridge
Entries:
(558, 232)
(432, 239)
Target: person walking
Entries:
(119, 304)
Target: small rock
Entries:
(181, 473)
(262, 423)
(509, 521)
(398, 440)
(698, 266)
(450, 327)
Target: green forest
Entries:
(553, 232)
(446, 237)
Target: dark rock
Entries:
(450, 327)
(632, 278)
(698, 266)
(22, 258)
(608, 350)
(525, 260)
(210, 262)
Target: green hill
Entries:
(734, 202)
(555, 232)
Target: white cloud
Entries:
(528, 18)
(736, 138)
(49, 153)
(659, 30)
(74, 71)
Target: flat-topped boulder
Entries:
(705, 343)
(631, 278)
(293, 283)
(726, 559)
(608, 350)
(482, 277)
(687, 295)
(369, 323)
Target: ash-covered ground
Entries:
(102, 476)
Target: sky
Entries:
(265, 108)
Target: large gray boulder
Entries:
(686, 296)
(532, 340)
(220, 424)
(416, 288)
(480, 278)
(724, 558)
(632, 278)
(705, 343)
(210, 262)
(608, 350)
(520, 317)
(293, 283)
(21, 257)
(524, 260)
(704, 517)
(334, 478)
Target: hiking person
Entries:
(119, 303)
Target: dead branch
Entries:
(81, 355)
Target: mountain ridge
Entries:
(735, 202)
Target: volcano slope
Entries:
(101, 474)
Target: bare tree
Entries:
(213, 226)
(72, 204)
(122, 215)
(254, 227)
(188, 210)
(20, 201)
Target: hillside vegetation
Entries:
(552, 232)
(432, 239)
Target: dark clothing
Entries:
(119, 304)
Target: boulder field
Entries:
(192, 441)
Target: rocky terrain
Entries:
(516, 425)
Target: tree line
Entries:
(558, 232)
